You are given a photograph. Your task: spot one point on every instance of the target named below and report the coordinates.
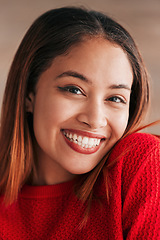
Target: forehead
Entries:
(96, 57)
(97, 60)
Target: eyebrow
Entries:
(120, 86)
(75, 75)
(85, 79)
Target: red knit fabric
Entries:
(133, 212)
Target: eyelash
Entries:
(71, 88)
(120, 100)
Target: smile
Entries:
(82, 143)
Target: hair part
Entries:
(51, 35)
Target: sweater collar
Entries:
(49, 191)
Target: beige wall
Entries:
(140, 17)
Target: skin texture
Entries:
(98, 103)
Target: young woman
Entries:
(70, 165)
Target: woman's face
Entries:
(80, 109)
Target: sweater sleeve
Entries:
(141, 188)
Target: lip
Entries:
(80, 149)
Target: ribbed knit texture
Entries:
(133, 211)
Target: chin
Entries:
(81, 171)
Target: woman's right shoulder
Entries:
(137, 160)
(135, 150)
(138, 142)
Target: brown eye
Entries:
(71, 89)
(116, 99)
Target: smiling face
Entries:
(80, 109)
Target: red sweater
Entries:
(54, 212)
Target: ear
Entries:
(30, 102)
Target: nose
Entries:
(94, 115)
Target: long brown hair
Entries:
(53, 34)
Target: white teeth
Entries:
(70, 136)
(91, 141)
(79, 139)
(75, 137)
(98, 141)
(84, 142)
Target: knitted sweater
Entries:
(133, 211)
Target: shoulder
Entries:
(140, 144)
(144, 139)
(136, 155)
(136, 165)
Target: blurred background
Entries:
(140, 17)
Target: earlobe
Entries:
(30, 102)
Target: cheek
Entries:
(58, 112)
(119, 123)
(52, 113)
(48, 117)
